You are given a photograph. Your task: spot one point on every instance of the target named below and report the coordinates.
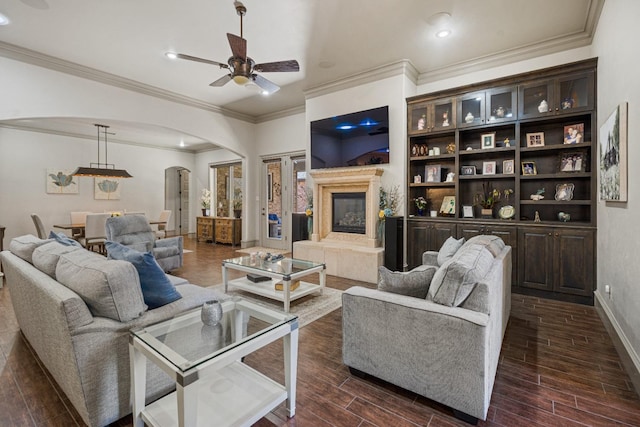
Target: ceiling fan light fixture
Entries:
(240, 80)
(171, 55)
(443, 33)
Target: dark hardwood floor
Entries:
(558, 367)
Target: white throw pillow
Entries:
(449, 249)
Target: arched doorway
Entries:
(176, 198)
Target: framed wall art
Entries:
(613, 156)
(489, 168)
(529, 168)
(508, 167)
(60, 181)
(433, 173)
(535, 139)
(488, 140)
(107, 189)
(574, 134)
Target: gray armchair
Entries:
(135, 232)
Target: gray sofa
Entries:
(80, 329)
(445, 346)
(135, 232)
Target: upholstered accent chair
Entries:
(135, 232)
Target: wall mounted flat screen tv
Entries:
(355, 139)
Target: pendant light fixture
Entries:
(102, 170)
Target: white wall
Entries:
(618, 225)
(25, 157)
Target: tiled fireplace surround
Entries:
(349, 255)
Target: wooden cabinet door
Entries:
(574, 261)
(417, 241)
(535, 258)
(440, 232)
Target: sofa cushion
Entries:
(110, 288)
(455, 279)
(414, 283)
(23, 246)
(45, 257)
(494, 244)
(449, 249)
(64, 239)
(157, 288)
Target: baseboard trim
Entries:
(630, 359)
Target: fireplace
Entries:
(349, 212)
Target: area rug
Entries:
(308, 309)
(261, 249)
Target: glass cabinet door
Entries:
(501, 105)
(536, 99)
(471, 109)
(418, 114)
(575, 92)
(443, 115)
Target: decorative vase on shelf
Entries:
(543, 107)
(468, 118)
(237, 213)
(204, 212)
(486, 213)
(211, 312)
(310, 226)
(420, 212)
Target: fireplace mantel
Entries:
(345, 180)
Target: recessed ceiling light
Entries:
(171, 55)
(4, 20)
(265, 92)
(443, 33)
(182, 144)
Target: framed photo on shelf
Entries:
(467, 211)
(488, 140)
(467, 170)
(529, 168)
(535, 139)
(508, 167)
(433, 173)
(574, 134)
(414, 150)
(488, 168)
(448, 206)
(564, 191)
(422, 151)
(573, 162)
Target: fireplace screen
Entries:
(349, 212)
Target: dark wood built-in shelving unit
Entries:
(551, 258)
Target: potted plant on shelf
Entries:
(421, 204)
(205, 201)
(488, 199)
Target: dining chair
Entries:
(42, 234)
(161, 232)
(78, 218)
(94, 232)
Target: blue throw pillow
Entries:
(157, 289)
(64, 239)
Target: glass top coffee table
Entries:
(213, 385)
(283, 275)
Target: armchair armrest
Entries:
(170, 241)
(430, 258)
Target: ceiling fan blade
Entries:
(205, 61)
(238, 45)
(222, 81)
(280, 66)
(264, 84)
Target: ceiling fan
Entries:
(242, 68)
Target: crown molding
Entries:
(113, 140)
(280, 114)
(33, 57)
(402, 67)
